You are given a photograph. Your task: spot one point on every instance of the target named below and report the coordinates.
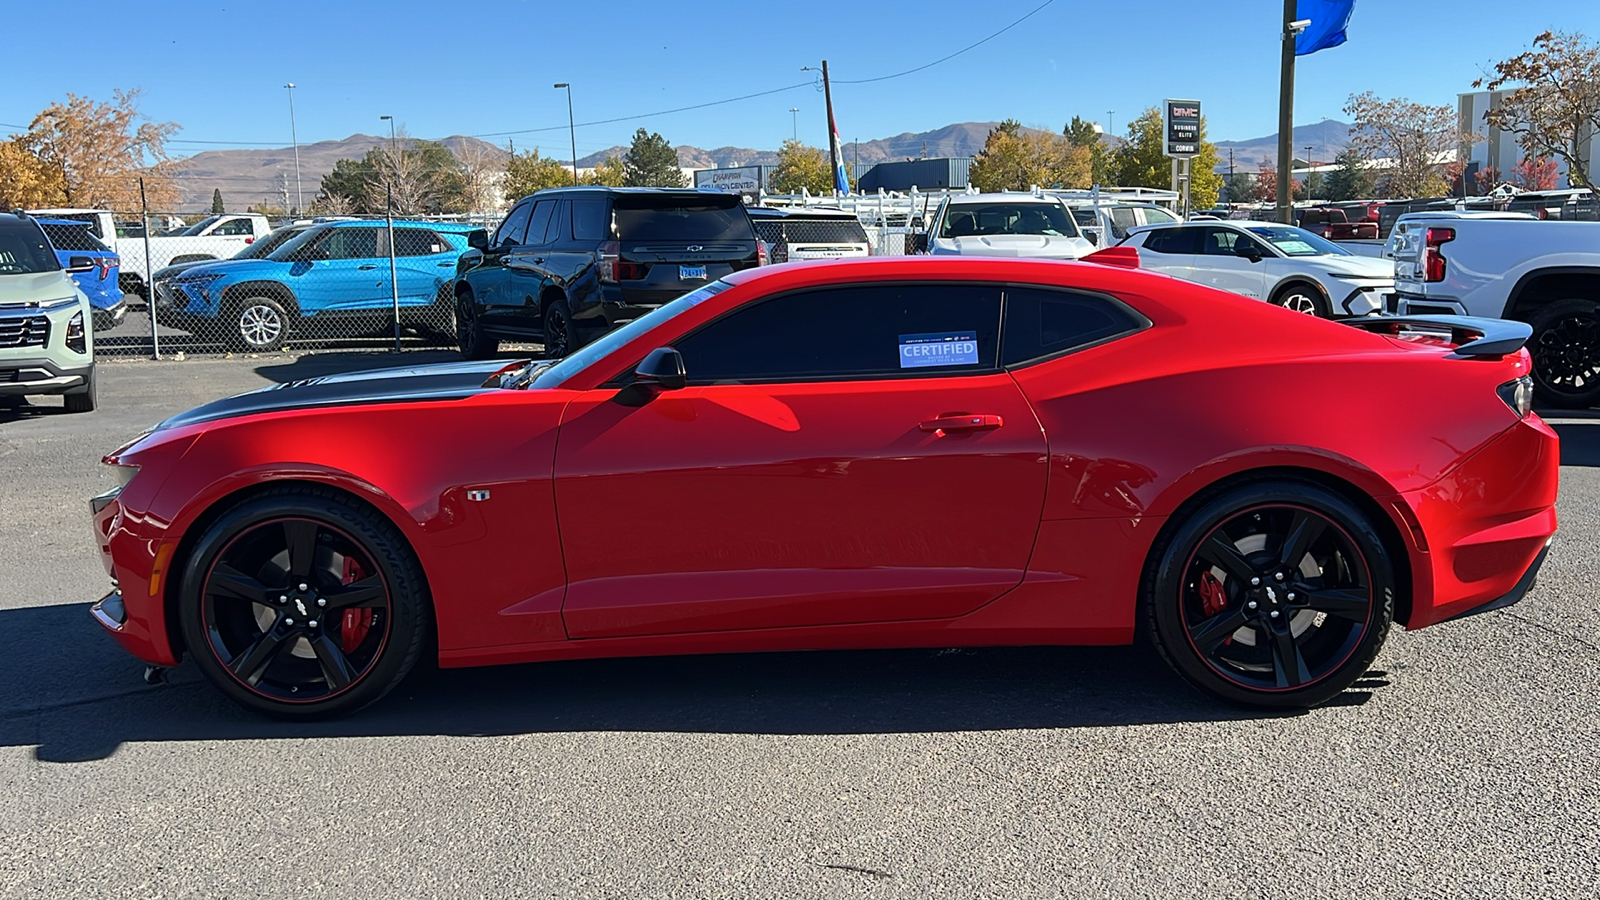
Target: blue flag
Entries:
(1329, 19)
(841, 181)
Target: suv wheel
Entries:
(1302, 298)
(559, 339)
(1566, 353)
(469, 331)
(260, 324)
(85, 400)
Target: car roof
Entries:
(1466, 214)
(398, 223)
(1007, 196)
(1236, 223)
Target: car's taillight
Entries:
(761, 253)
(613, 268)
(1433, 258)
(1518, 395)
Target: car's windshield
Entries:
(557, 374)
(289, 250)
(198, 227)
(1292, 241)
(984, 219)
(269, 243)
(24, 250)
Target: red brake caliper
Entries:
(357, 622)
(1213, 598)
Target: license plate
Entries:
(687, 272)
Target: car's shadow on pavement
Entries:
(1580, 440)
(16, 409)
(75, 696)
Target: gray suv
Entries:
(46, 323)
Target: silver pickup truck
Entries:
(1511, 267)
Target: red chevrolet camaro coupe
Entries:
(865, 454)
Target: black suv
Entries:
(568, 264)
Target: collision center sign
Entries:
(1180, 123)
(742, 180)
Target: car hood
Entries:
(36, 287)
(443, 381)
(1018, 245)
(235, 267)
(173, 270)
(1357, 266)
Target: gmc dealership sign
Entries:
(1180, 123)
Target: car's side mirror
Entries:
(79, 264)
(1250, 253)
(919, 243)
(662, 368)
(1093, 236)
(478, 240)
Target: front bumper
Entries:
(1366, 300)
(41, 375)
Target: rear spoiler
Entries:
(1472, 335)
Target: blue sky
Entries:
(482, 68)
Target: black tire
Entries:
(559, 336)
(85, 400)
(439, 321)
(257, 324)
(1302, 297)
(1287, 643)
(1566, 353)
(256, 635)
(470, 339)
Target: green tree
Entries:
(800, 167)
(651, 162)
(1140, 162)
(1083, 133)
(1241, 187)
(216, 202)
(1352, 180)
(527, 172)
(1014, 160)
(609, 173)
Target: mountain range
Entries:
(248, 177)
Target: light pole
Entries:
(299, 200)
(572, 129)
(1308, 171)
(1109, 130)
(388, 219)
(794, 123)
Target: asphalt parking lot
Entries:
(1462, 766)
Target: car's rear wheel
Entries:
(302, 604)
(259, 325)
(85, 400)
(1273, 593)
(470, 339)
(1303, 298)
(1566, 353)
(559, 337)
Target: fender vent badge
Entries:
(478, 496)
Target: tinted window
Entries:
(1156, 216)
(1042, 322)
(804, 230)
(23, 250)
(350, 243)
(969, 219)
(71, 237)
(540, 222)
(198, 227)
(589, 222)
(1173, 240)
(1227, 242)
(656, 217)
(417, 242)
(236, 228)
(514, 227)
(269, 243)
(902, 330)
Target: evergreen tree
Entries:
(216, 202)
(1351, 180)
(1082, 133)
(651, 162)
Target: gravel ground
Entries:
(1462, 766)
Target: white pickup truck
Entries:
(214, 237)
(1544, 273)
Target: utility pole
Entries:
(794, 123)
(1309, 165)
(1110, 130)
(1286, 113)
(299, 200)
(833, 146)
(572, 129)
(1233, 183)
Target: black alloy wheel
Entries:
(558, 338)
(1274, 594)
(1566, 354)
(303, 604)
(470, 339)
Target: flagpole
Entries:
(833, 150)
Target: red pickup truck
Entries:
(1333, 224)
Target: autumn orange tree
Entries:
(1014, 159)
(96, 152)
(1555, 112)
(26, 181)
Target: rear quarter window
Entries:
(1041, 323)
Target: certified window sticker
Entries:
(949, 349)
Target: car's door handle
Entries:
(960, 422)
(538, 260)
(446, 265)
(366, 268)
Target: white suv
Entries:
(1004, 224)
(1280, 264)
(46, 340)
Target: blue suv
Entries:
(334, 275)
(93, 266)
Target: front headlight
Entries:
(77, 341)
(1518, 395)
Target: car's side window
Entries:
(896, 330)
(514, 227)
(417, 242)
(350, 243)
(1172, 240)
(539, 223)
(1041, 322)
(235, 228)
(558, 225)
(589, 221)
(1218, 241)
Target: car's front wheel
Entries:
(1273, 593)
(260, 325)
(470, 339)
(559, 337)
(300, 603)
(86, 399)
(1302, 298)
(1566, 353)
